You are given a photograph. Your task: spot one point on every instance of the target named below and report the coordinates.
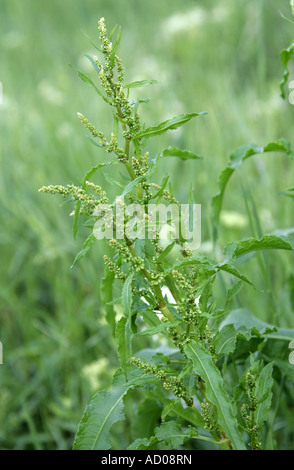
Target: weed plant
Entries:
(194, 372)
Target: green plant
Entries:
(286, 55)
(207, 371)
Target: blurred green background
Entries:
(219, 56)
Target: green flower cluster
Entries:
(248, 411)
(93, 129)
(114, 268)
(171, 383)
(114, 90)
(123, 249)
(88, 202)
(208, 417)
(188, 309)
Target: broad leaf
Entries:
(215, 392)
(246, 323)
(150, 318)
(225, 340)
(148, 414)
(168, 436)
(267, 242)
(105, 409)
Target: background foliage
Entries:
(218, 56)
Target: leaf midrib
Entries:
(106, 418)
(215, 394)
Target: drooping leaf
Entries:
(235, 161)
(165, 126)
(215, 392)
(267, 242)
(229, 268)
(243, 321)
(248, 324)
(226, 338)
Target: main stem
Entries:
(223, 442)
